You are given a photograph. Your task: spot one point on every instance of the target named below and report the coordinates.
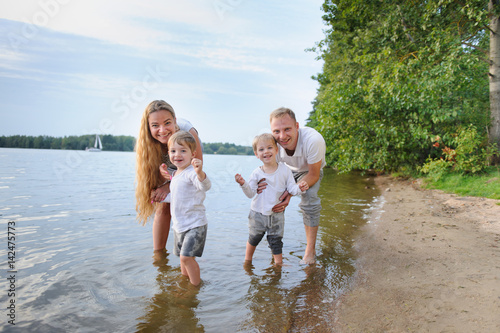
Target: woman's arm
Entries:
(199, 151)
(159, 194)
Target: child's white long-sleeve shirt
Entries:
(277, 182)
(187, 194)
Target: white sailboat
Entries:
(97, 145)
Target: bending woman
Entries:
(158, 123)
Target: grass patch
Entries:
(485, 185)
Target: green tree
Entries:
(398, 73)
(207, 149)
(222, 150)
(56, 143)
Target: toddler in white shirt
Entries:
(187, 193)
(279, 179)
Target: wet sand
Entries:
(428, 262)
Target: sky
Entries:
(71, 67)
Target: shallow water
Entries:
(82, 263)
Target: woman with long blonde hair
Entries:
(158, 123)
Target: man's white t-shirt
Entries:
(311, 148)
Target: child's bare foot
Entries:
(248, 267)
(278, 263)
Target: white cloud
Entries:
(135, 23)
(185, 28)
(12, 60)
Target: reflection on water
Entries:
(172, 308)
(84, 264)
(269, 302)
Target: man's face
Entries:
(286, 131)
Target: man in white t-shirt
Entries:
(303, 151)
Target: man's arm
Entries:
(313, 174)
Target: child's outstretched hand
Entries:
(198, 168)
(197, 165)
(239, 179)
(303, 185)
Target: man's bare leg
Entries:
(310, 254)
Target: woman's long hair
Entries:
(149, 153)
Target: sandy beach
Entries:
(427, 262)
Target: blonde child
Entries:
(187, 193)
(261, 218)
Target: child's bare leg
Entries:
(278, 259)
(192, 269)
(184, 270)
(276, 245)
(249, 252)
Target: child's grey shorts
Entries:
(190, 243)
(273, 225)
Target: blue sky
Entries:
(72, 67)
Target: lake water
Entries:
(83, 264)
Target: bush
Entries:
(471, 155)
(436, 169)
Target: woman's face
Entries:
(162, 125)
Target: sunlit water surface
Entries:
(83, 263)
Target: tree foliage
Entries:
(397, 74)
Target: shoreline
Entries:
(428, 262)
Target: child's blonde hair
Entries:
(184, 139)
(263, 137)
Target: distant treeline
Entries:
(220, 148)
(109, 142)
